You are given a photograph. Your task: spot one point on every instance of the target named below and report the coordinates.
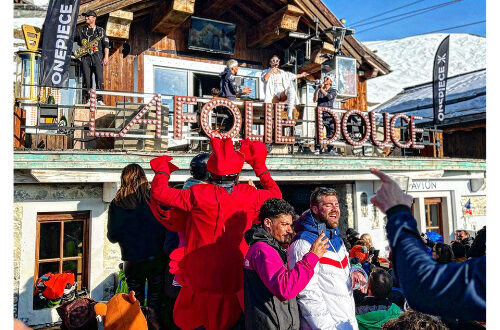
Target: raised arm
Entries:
(161, 192)
(454, 290)
(255, 155)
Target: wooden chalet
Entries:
(161, 28)
(61, 184)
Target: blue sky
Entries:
(459, 13)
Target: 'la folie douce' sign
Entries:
(273, 123)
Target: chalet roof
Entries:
(465, 97)
(251, 13)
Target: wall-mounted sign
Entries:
(423, 185)
(273, 123)
(346, 77)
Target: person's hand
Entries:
(389, 194)
(162, 164)
(319, 246)
(246, 90)
(275, 69)
(304, 74)
(250, 183)
(359, 278)
(105, 61)
(255, 153)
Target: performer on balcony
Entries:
(93, 63)
(279, 86)
(325, 95)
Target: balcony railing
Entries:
(149, 122)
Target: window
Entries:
(203, 84)
(170, 82)
(62, 241)
(434, 215)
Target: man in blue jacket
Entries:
(228, 87)
(454, 290)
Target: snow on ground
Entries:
(411, 60)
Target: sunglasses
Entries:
(275, 61)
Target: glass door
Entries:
(434, 215)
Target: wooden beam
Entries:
(118, 25)
(274, 27)
(264, 6)
(249, 11)
(104, 7)
(169, 16)
(314, 64)
(215, 8)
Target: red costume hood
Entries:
(224, 160)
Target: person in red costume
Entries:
(219, 213)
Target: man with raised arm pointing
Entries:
(453, 290)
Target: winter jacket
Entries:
(270, 289)
(453, 290)
(478, 247)
(136, 231)
(373, 313)
(228, 87)
(327, 300)
(211, 270)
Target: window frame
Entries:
(438, 201)
(62, 218)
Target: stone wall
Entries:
(18, 216)
(63, 191)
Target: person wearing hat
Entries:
(93, 63)
(218, 214)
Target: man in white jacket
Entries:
(326, 302)
(279, 85)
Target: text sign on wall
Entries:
(273, 123)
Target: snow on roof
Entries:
(34, 21)
(465, 95)
(411, 60)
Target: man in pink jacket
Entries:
(270, 288)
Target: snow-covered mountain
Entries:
(411, 60)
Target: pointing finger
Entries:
(382, 176)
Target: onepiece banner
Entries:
(439, 79)
(57, 44)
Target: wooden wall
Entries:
(465, 142)
(119, 74)
(358, 102)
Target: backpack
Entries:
(78, 314)
(52, 285)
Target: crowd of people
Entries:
(217, 253)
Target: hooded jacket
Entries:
(211, 270)
(373, 313)
(270, 288)
(228, 87)
(327, 301)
